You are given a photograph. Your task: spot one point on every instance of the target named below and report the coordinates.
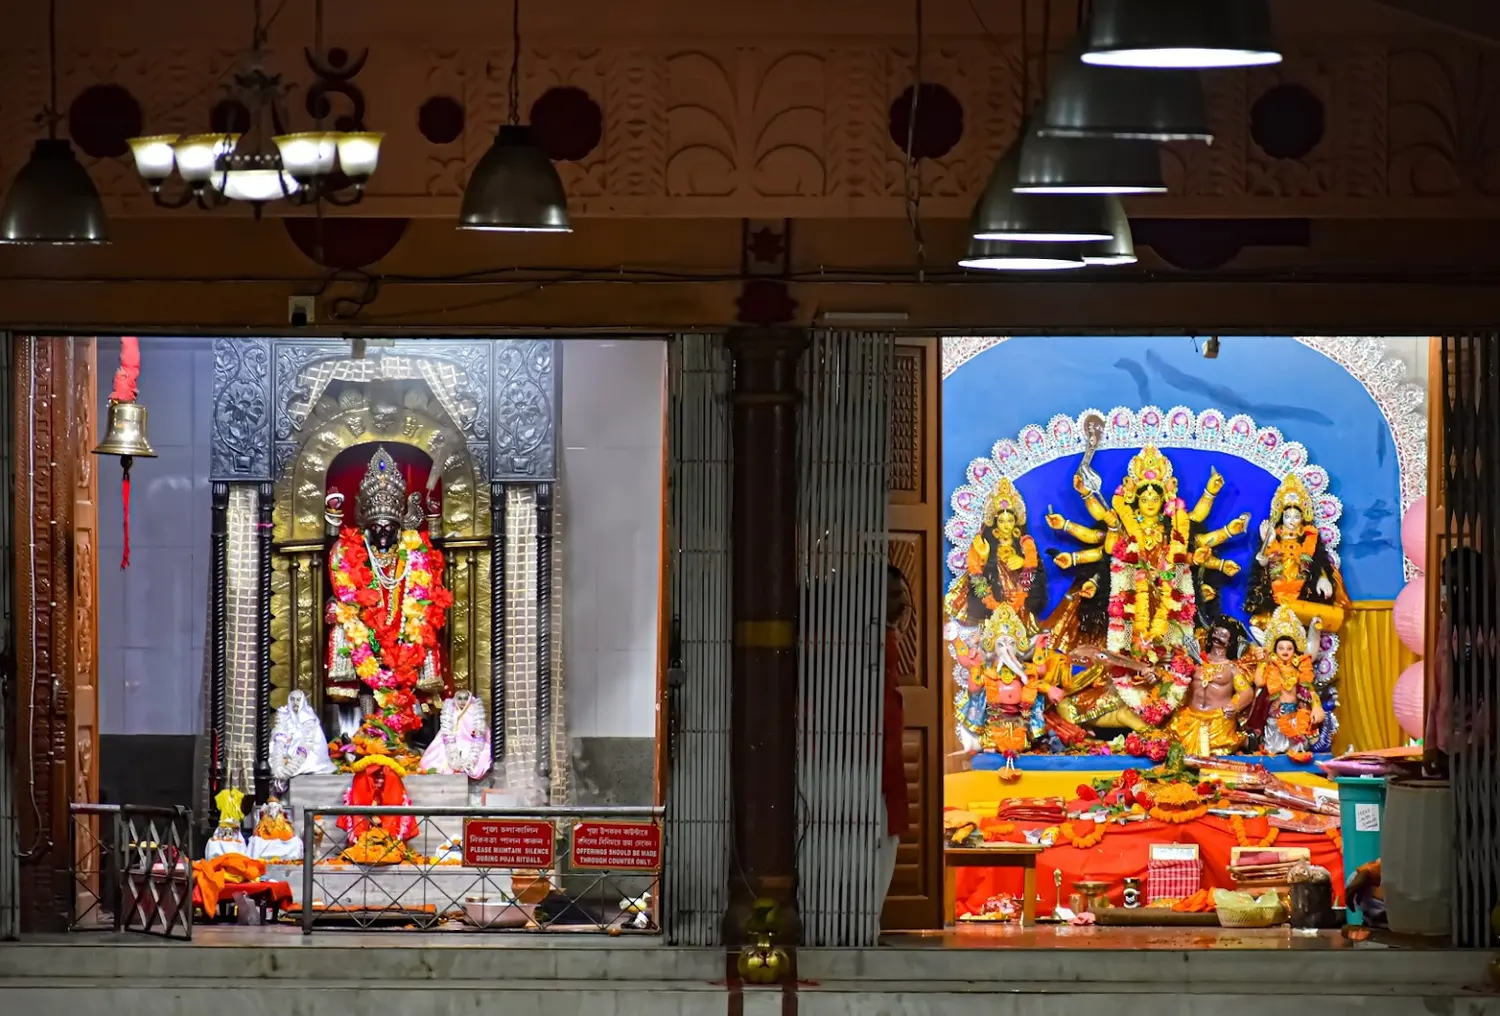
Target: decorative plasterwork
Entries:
(771, 128)
(1402, 401)
(500, 394)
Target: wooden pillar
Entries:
(55, 580)
(764, 592)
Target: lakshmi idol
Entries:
(1148, 538)
(1001, 564)
(388, 602)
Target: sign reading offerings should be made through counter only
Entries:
(617, 846)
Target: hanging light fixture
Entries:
(1119, 249)
(1088, 166)
(1094, 101)
(1003, 214)
(514, 188)
(1201, 34)
(299, 167)
(52, 199)
(1010, 256)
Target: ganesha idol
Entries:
(1001, 706)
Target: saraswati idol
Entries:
(388, 602)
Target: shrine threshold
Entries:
(431, 667)
(1172, 625)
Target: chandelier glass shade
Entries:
(515, 188)
(1089, 166)
(1003, 214)
(1201, 34)
(1096, 101)
(52, 200)
(1011, 256)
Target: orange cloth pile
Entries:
(211, 877)
(1125, 852)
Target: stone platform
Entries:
(278, 972)
(430, 791)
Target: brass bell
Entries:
(126, 434)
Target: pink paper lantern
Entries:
(1410, 615)
(1414, 533)
(1406, 699)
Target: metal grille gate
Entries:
(843, 493)
(696, 893)
(1467, 648)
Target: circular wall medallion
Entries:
(568, 123)
(102, 119)
(940, 121)
(1287, 122)
(347, 242)
(441, 119)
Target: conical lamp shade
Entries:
(1089, 166)
(1010, 256)
(1088, 101)
(53, 200)
(1002, 214)
(1181, 34)
(515, 189)
(1118, 249)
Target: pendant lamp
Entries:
(1093, 101)
(1119, 249)
(1089, 166)
(515, 188)
(1002, 214)
(1010, 256)
(52, 200)
(1181, 34)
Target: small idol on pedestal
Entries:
(227, 837)
(275, 840)
(462, 746)
(298, 744)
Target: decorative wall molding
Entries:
(709, 126)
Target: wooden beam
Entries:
(1475, 20)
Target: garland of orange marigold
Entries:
(1237, 826)
(1337, 838)
(1084, 841)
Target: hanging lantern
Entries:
(125, 431)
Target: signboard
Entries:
(508, 843)
(617, 846)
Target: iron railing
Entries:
(132, 869)
(481, 869)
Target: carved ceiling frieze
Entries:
(711, 128)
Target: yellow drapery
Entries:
(1370, 659)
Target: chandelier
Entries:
(262, 161)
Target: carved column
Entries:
(544, 633)
(267, 500)
(85, 717)
(763, 716)
(54, 580)
(497, 622)
(218, 635)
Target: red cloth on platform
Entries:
(892, 771)
(1125, 852)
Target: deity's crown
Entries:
(1292, 493)
(1150, 466)
(382, 493)
(1003, 623)
(1005, 498)
(1285, 624)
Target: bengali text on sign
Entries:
(508, 843)
(617, 845)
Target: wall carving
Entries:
(710, 127)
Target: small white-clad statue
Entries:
(463, 741)
(298, 745)
(275, 840)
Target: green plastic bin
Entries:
(1361, 816)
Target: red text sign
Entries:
(508, 843)
(617, 845)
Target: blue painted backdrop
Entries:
(1276, 381)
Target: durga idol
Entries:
(388, 601)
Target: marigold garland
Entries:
(1069, 832)
(1237, 826)
(1337, 838)
(1175, 817)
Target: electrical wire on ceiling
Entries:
(913, 179)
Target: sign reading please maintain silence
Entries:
(617, 846)
(508, 843)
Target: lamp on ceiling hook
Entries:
(1211, 348)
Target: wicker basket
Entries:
(1239, 910)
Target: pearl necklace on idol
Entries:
(388, 580)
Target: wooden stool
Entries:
(1000, 855)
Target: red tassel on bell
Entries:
(125, 435)
(125, 512)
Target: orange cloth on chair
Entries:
(1125, 852)
(210, 877)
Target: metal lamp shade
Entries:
(1088, 101)
(53, 201)
(1089, 166)
(515, 189)
(1010, 256)
(1002, 214)
(1119, 249)
(1181, 34)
